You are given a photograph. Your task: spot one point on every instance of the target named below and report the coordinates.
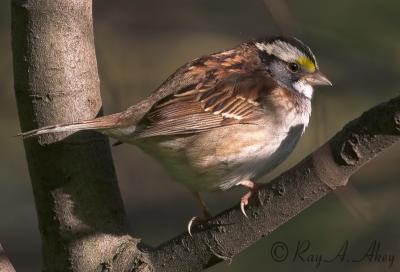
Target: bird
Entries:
(221, 120)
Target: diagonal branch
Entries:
(5, 264)
(329, 167)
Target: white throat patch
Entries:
(304, 88)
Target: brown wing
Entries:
(201, 73)
(233, 98)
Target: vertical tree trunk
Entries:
(81, 216)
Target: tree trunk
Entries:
(81, 215)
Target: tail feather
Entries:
(104, 122)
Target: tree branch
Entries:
(329, 167)
(5, 264)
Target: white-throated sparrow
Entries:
(222, 119)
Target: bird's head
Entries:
(291, 63)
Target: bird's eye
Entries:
(294, 67)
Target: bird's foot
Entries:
(245, 198)
(196, 219)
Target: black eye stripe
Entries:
(267, 59)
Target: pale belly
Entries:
(221, 158)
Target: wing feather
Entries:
(183, 125)
(222, 97)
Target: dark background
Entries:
(140, 43)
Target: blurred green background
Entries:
(139, 43)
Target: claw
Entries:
(206, 213)
(242, 205)
(245, 199)
(189, 226)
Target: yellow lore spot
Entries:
(306, 64)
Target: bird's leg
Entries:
(203, 206)
(245, 198)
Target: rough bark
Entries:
(5, 264)
(329, 167)
(81, 216)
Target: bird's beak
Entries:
(318, 78)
